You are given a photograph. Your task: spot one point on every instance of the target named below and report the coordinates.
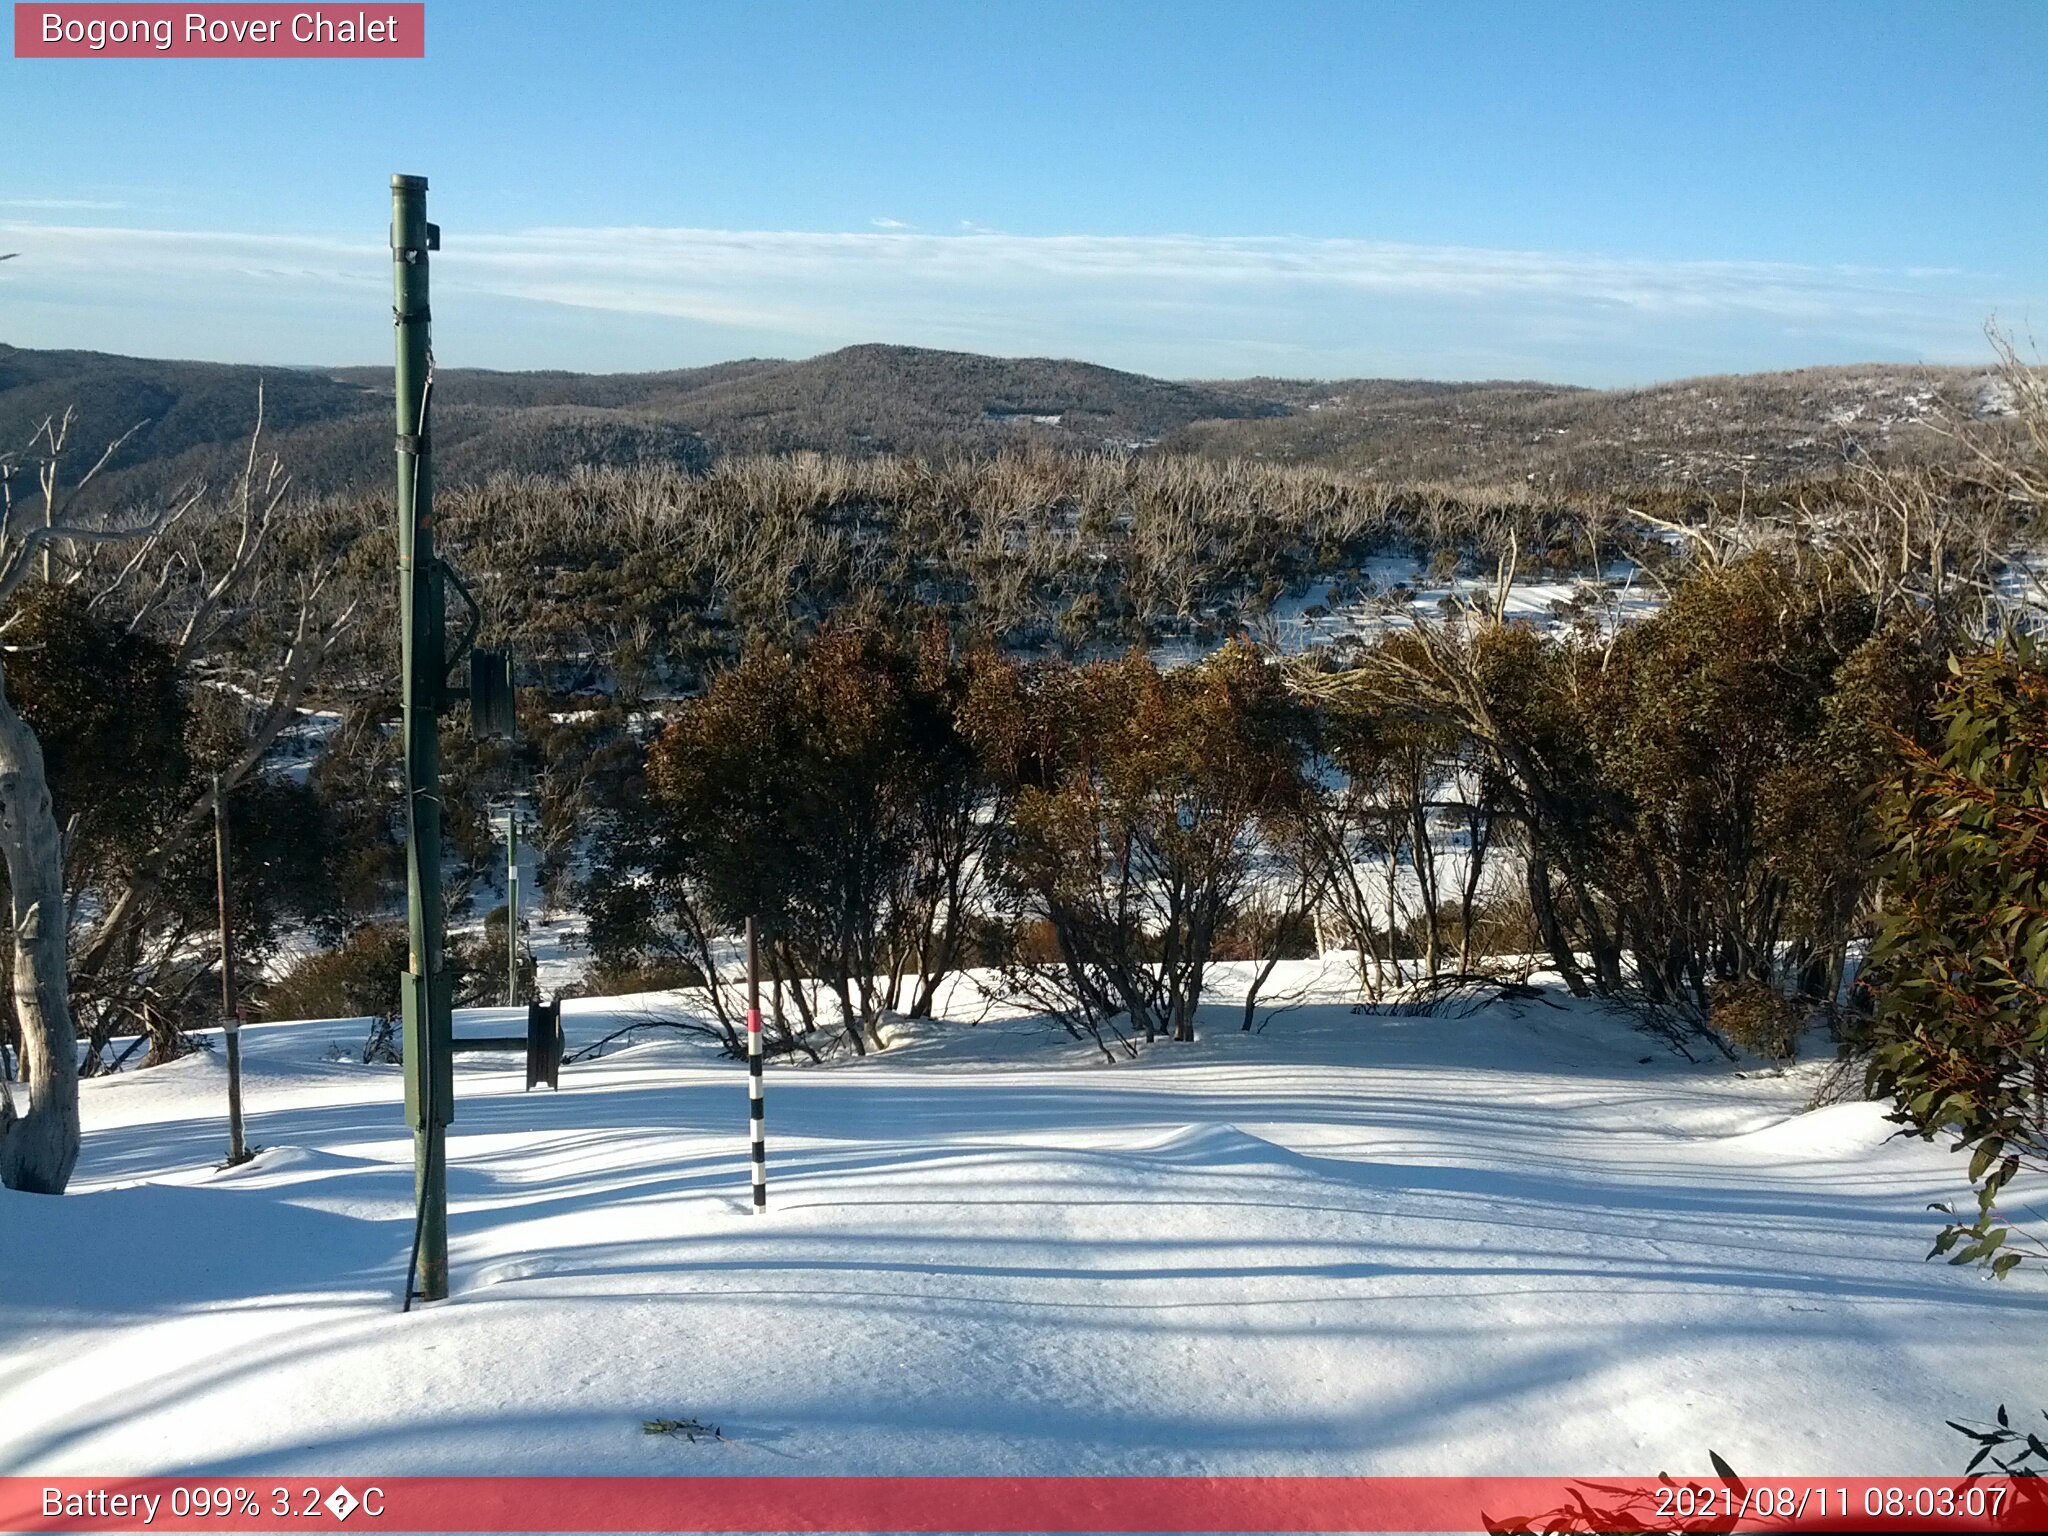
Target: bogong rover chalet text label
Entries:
(104, 30)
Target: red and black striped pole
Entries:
(757, 1125)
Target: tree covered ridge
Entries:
(333, 424)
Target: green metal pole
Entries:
(429, 1036)
(512, 906)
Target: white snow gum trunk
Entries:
(38, 1144)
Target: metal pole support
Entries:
(427, 985)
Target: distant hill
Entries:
(333, 426)
(1717, 432)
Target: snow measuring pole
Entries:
(756, 1124)
(427, 992)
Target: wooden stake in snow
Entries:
(757, 1126)
(231, 1017)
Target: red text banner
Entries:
(1015, 1504)
(148, 31)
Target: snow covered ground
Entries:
(1403, 590)
(1398, 590)
(1503, 1243)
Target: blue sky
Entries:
(1596, 194)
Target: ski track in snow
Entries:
(1349, 1244)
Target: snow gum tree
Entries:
(38, 1142)
(1377, 772)
(191, 584)
(1710, 729)
(1140, 797)
(1690, 796)
(832, 796)
(1961, 962)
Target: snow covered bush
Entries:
(356, 979)
(604, 978)
(479, 962)
(1757, 1017)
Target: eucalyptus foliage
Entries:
(1962, 1005)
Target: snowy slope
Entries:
(1502, 1243)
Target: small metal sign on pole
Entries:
(757, 1125)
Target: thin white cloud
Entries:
(885, 223)
(57, 204)
(1186, 303)
(686, 273)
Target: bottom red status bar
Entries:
(1018, 1504)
